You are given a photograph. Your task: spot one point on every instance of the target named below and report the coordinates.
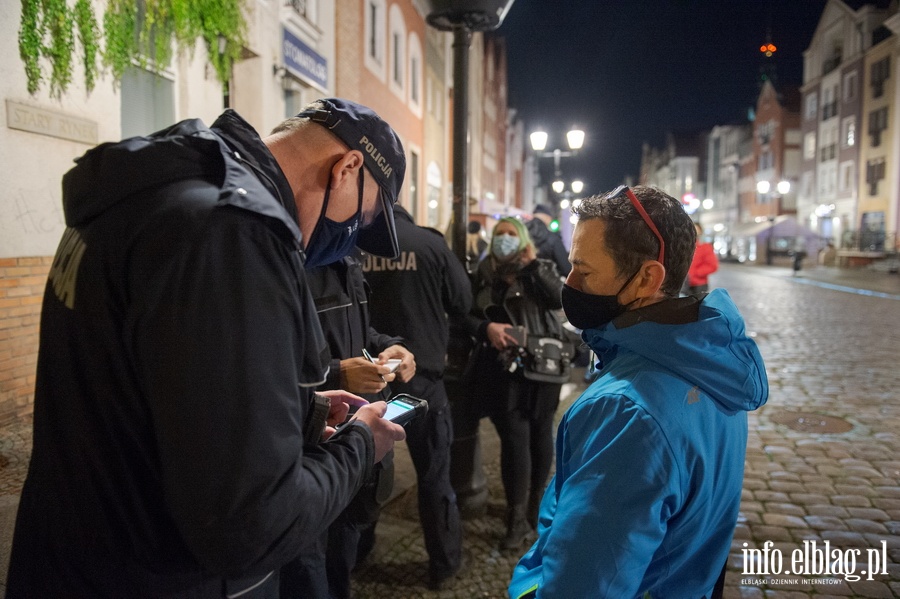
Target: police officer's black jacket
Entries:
(341, 296)
(413, 295)
(178, 351)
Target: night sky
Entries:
(628, 71)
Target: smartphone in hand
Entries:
(402, 408)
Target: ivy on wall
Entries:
(136, 32)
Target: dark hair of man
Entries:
(630, 241)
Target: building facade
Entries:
(776, 153)
(832, 114)
(878, 153)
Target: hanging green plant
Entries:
(88, 37)
(143, 33)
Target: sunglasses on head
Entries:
(626, 191)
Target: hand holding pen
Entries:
(364, 375)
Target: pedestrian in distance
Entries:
(516, 294)
(703, 264)
(413, 296)
(179, 447)
(798, 254)
(650, 458)
(549, 244)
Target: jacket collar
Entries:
(250, 155)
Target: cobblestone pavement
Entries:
(832, 359)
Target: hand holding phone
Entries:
(402, 408)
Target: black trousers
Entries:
(526, 440)
(428, 438)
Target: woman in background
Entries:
(513, 287)
(704, 264)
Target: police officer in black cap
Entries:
(179, 444)
(412, 297)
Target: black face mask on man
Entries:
(586, 311)
(330, 241)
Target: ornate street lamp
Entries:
(575, 141)
(764, 188)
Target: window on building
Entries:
(829, 103)
(415, 74)
(809, 146)
(812, 103)
(148, 102)
(806, 184)
(848, 132)
(305, 8)
(397, 78)
(414, 80)
(827, 179)
(850, 82)
(828, 147)
(874, 174)
(376, 25)
(880, 71)
(764, 132)
(846, 176)
(878, 122)
(397, 50)
(293, 100)
(872, 231)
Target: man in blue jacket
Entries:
(650, 458)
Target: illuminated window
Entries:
(848, 132)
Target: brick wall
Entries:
(22, 283)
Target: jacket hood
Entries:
(712, 351)
(111, 172)
(230, 155)
(538, 230)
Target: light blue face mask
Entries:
(504, 245)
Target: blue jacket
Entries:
(650, 458)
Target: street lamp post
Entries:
(575, 141)
(765, 189)
(462, 17)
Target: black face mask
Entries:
(330, 241)
(585, 311)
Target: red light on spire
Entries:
(768, 49)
